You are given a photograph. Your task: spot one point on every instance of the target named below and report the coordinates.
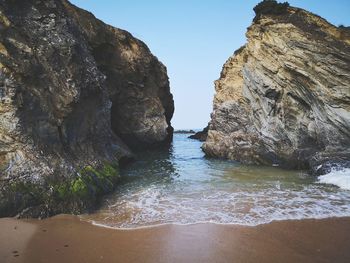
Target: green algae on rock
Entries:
(75, 194)
(75, 94)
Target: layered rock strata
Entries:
(284, 98)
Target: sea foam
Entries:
(184, 187)
(340, 178)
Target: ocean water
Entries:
(182, 186)
(339, 177)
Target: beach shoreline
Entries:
(66, 238)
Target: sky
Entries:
(194, 38)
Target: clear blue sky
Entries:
(193, 38)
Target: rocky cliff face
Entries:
(75, 96)
(284, 98)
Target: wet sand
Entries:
(67, 239)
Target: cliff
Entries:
(284, 98)
(75, 96)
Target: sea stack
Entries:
(76, 97)
(284, 98)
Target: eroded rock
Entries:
(201, 135)
(284, 98)
(74, 93)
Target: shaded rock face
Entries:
(201, 135)
(138, 86)
(74, 92)
(284, 98)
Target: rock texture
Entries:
(75, 96)
(201, 135)
(284, 98)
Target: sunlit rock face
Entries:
(74, 92)
(284, 98)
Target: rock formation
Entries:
(284, 98)
(201, 135)
(75, 94)
(184, 131)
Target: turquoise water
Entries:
(181, 186)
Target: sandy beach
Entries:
(67, 239)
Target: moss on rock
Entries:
(100, 180)
(79, 188)
(58, 195)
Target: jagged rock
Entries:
(74, 93)
(284, 98)
(201, 135)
